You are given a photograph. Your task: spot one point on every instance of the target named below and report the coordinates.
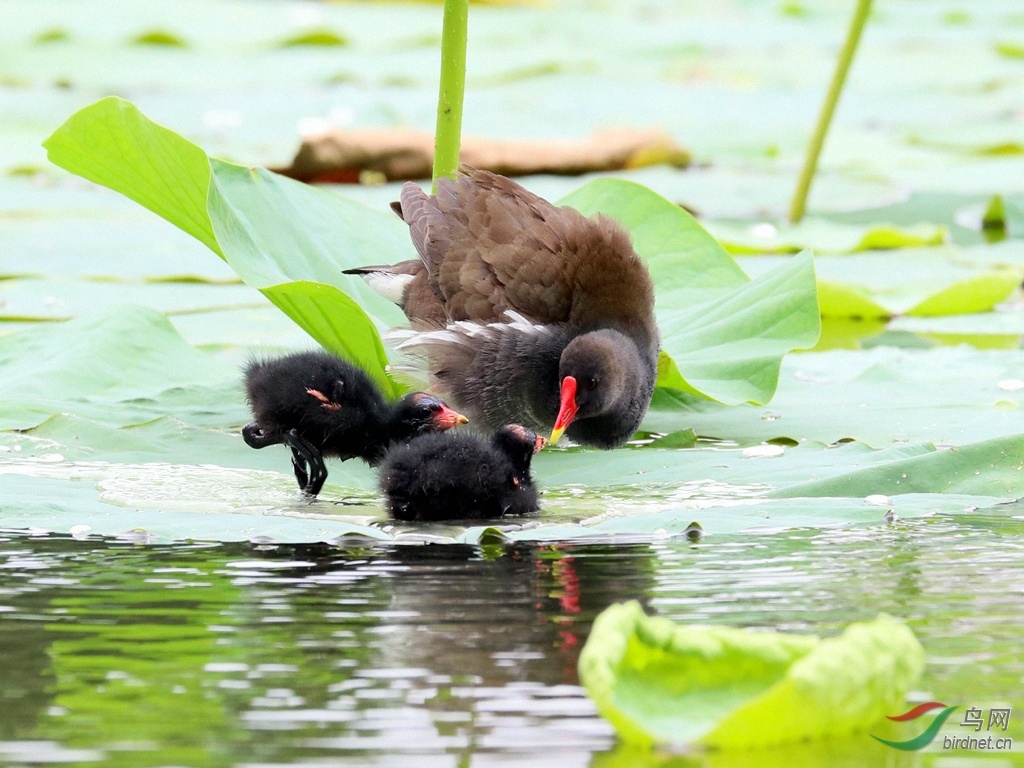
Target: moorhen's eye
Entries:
(592, 384)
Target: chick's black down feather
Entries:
(320, 405)
(461, 476)
(330, 402)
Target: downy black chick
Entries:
(320, 405)
(462, 476)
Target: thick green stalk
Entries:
(448, 136)
(860, 16)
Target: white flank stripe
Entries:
(524, 324)
(464, 331)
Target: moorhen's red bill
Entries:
(318, 404)
(528, 312)
(458, 476)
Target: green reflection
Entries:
(218, 655)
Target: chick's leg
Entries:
(307, 462)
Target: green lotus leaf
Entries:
(724, 334)
(728, 333)
(661, 683)
(271, 230)
(824, 236)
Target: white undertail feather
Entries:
(389, 285)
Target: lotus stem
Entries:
(448, 135)
(860, 16)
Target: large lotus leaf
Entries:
(731, 348)
(141, 417)
(988, 468)
(918, 282)
(142, 484)
(975, 293)
(726, 334)
(123, 366)
(726, 518)
(149, 473)
(881, 396)
(271, 230)
(274, 231)
(682, 256)
(127, 352)
(326, 312)
(236, 334)
(992, 467)
(165, 440)
(823, 236)
(123, 245)
(58, 505)
(59, 299)
(999, 330)
(662, 683)
(112, 143)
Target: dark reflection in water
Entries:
(204, 655)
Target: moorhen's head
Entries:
(599, 373)
(519, 444)
(420, 413)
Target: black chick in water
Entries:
(317, 404)
(462, 476)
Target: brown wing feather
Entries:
(490, 245)
(427, 229)
(421, 305)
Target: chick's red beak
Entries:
(538, 443)
(567, 409)
(446, 418)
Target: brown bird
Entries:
(529, 313)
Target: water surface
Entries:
(135, 654)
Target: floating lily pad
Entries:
(928, 282)
(52, 35)
(823, 236)
(123, 366)
(146, 397)
(314, 37)
(881, 396)
(159, 37)
(661, 683)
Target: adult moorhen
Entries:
(528, 312)
(462, 476)
(318, 404)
